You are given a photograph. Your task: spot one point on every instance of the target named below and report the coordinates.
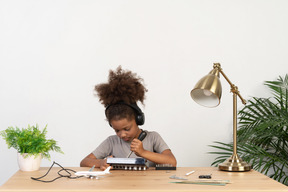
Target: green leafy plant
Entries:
(262, 135)
(30, 140)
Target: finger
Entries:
(136, 142)
(102, 168)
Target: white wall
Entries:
(52, 53)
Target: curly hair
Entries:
(122, 87)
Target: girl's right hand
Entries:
(103, 164)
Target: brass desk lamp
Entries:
(207, 92)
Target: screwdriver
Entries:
(140, 137)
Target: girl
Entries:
(120, 96)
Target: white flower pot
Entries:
(28, 162)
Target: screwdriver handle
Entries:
(142, 135)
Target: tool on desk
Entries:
(140, 137)
(189, 173)
(204, 182)
(205, 176)
(132, 164)
(164, 167)
(176, 177)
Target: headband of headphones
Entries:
(139, 115)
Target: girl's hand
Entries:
(137, 147)
(103, 164)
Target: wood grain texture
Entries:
(139, 181)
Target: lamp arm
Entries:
(234, 89)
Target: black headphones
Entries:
(139, 115)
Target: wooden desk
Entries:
(149, 180)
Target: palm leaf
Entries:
(262, 133)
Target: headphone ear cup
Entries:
(140, 119)
(139, 115)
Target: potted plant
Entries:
(31, 145)
(262, 137)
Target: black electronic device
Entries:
(205, 176)
(164, 167)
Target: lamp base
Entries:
(234, 163)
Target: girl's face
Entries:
(126, 129)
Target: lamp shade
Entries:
(208, 90)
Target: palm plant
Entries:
(262, 135)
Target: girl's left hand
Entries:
(137, 147)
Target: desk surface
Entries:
(149, 180)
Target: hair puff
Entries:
(122, 86)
